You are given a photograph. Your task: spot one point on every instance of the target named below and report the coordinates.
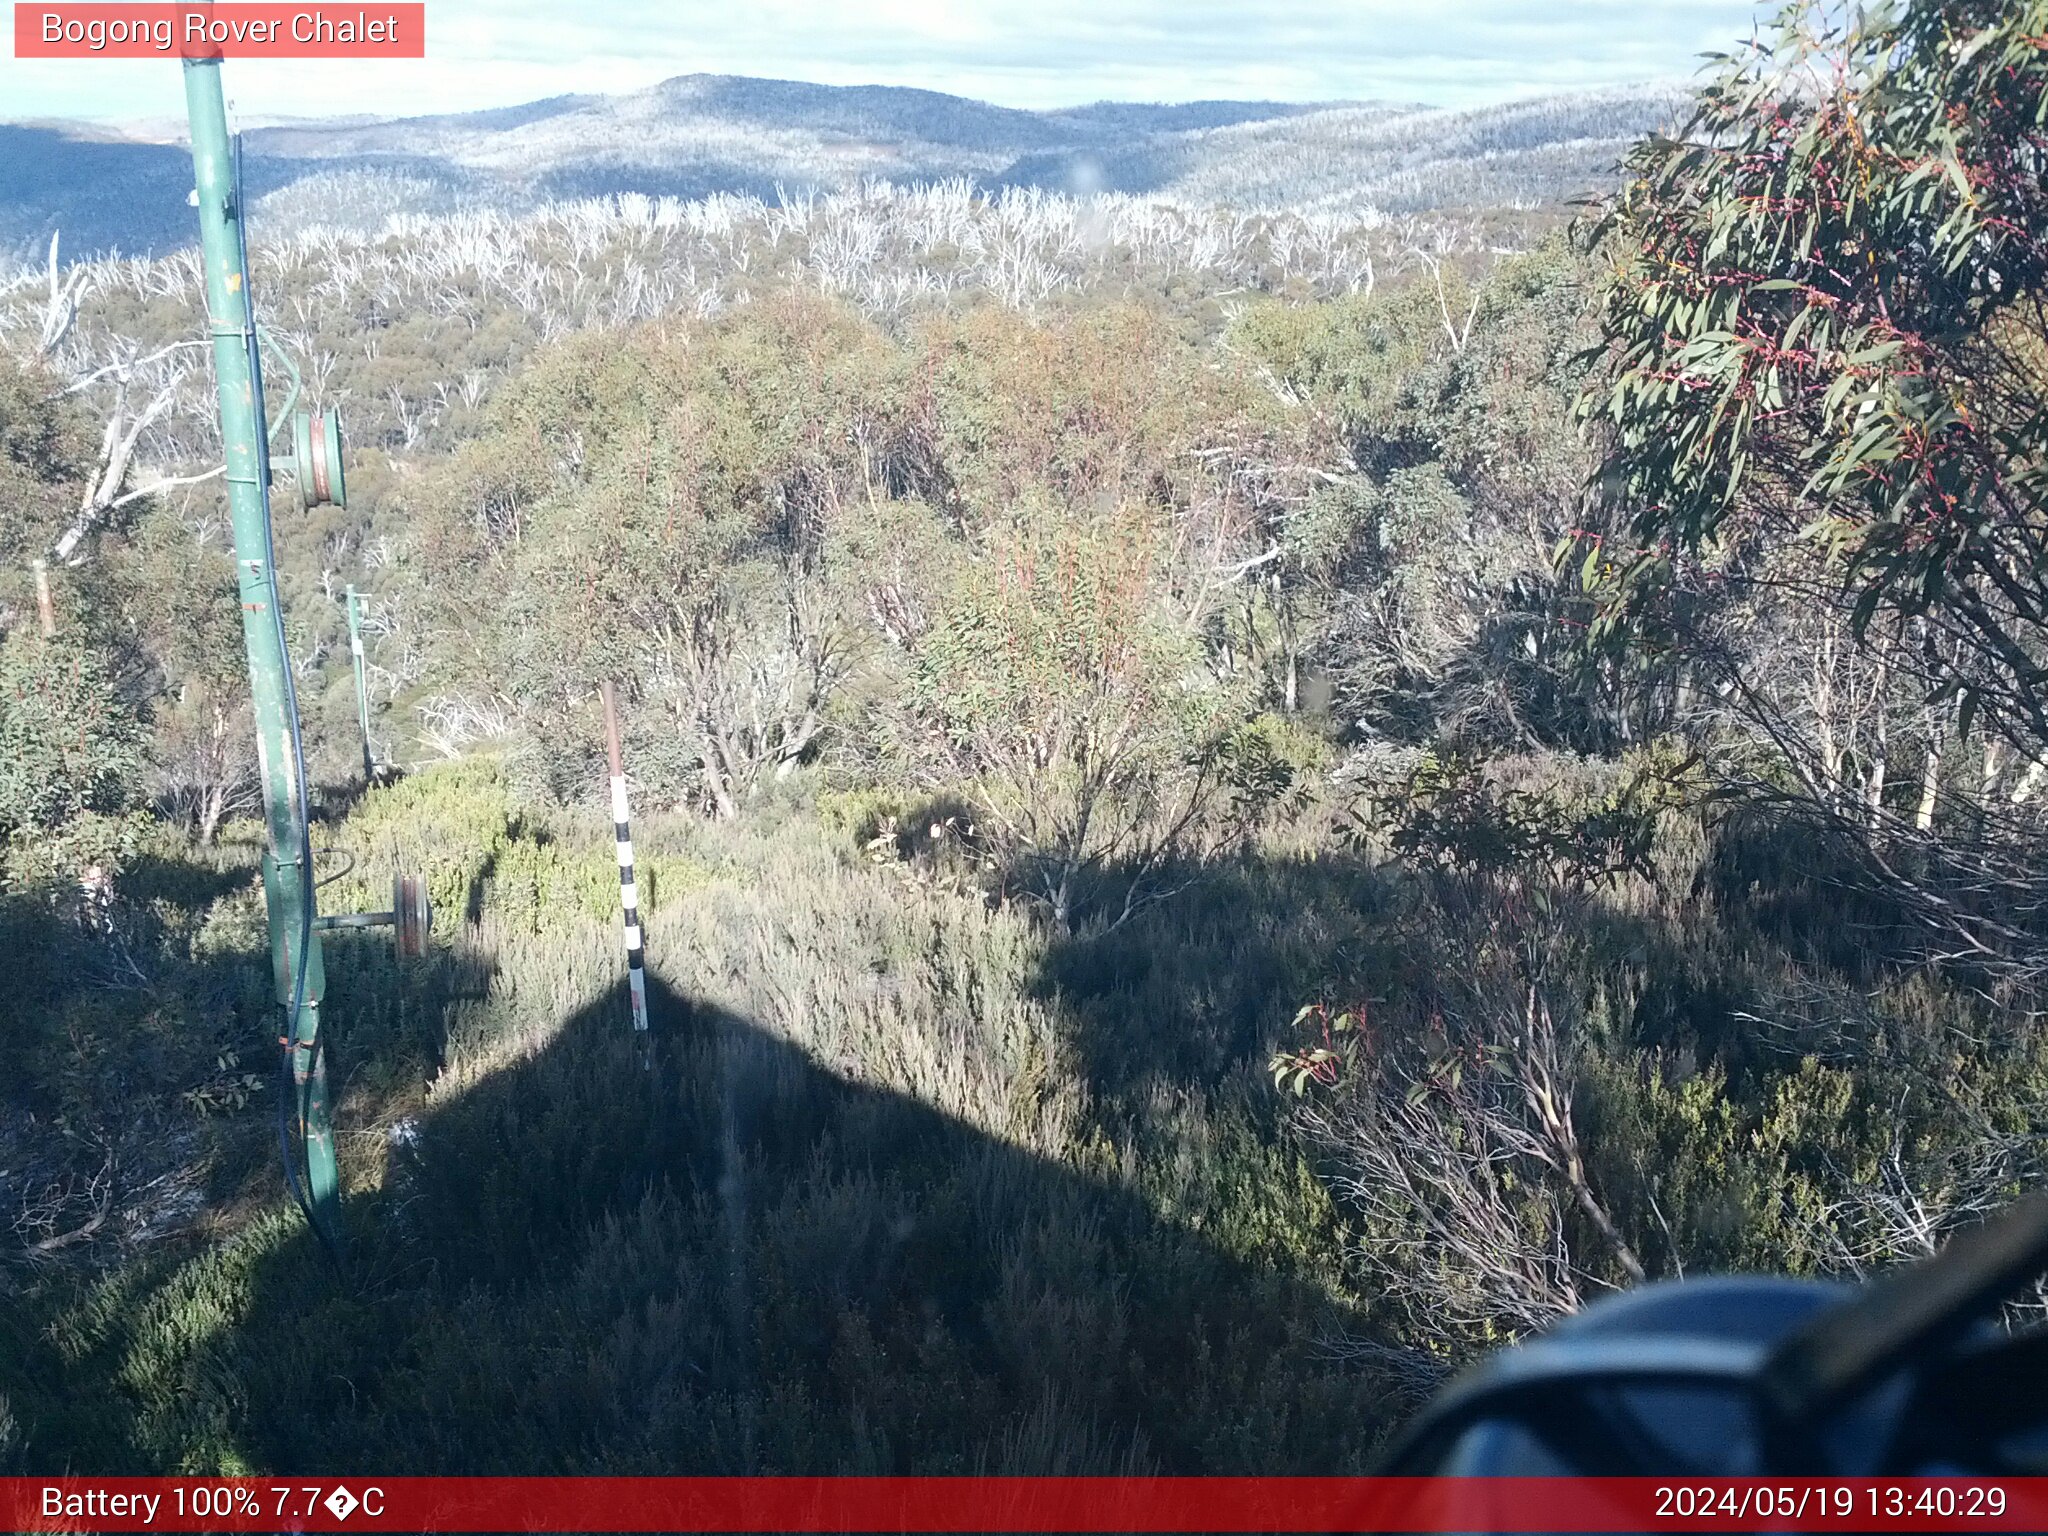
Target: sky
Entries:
(1025, 53)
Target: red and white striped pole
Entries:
(629, 896)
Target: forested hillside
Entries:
(109, 187)
(1232, 808)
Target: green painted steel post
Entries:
(287, 885)
(355, 648)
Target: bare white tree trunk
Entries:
(1930, 789)
(1939, 721)
(1873, 780)
(117, 447)
(1824, 713)
(61, 308)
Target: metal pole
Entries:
(355, 648)
(287, 881)
(46, 607)
(629, 895)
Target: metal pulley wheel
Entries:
(316, 459)
(412, 913)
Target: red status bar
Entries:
(1022, 1504)
(212, 29)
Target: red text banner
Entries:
(1051, 1504)
(228, 29)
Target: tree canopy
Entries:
(1825, 326)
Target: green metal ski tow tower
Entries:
(288, 884)
(315, 466)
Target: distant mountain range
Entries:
(702, 134)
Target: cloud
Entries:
(1030, 53)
